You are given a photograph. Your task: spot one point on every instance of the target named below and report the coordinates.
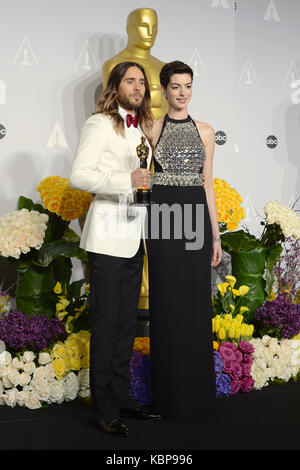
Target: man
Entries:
(106, 164)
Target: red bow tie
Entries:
(132, 120)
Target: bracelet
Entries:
(217, 239)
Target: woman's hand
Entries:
(216, 254)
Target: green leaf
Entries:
(74, 289)
(70, 236)
(239, 241)
(50, 251)
(27, 203)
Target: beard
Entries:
(129, 102)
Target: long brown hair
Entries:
(107, 103)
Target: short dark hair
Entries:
(171, 68)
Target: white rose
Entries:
(28, 356)
(71, 386)
(44, 358)
(49, 372)
(42, 389)
(39, 373)
(21, 397)
(5, 358)
(6, 382)
(2, 370)
(10, 397)
(2, 401)
(17, 363)
(29, 367)
(32, 402)
(14, 377)
(24, 379)
(57, 391)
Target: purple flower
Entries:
(238, 356)
(247, 384)
(280, 317)
(246, 347)
(20, 331)
(227, 354)
(235, 386)
(246, 369)
(140, 384)
(247, 358)
(219, 364)
(228, 345)
(228, 365)
(236, 370)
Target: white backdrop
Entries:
(245, 56)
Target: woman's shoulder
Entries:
(204, 127)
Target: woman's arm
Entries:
(208, 137)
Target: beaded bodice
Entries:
(179, 154)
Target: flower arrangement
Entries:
(228, 204)
(279, 218)
(20, 231)
(225, 328)
(279, 318)
(21, 332)
(274, 360)
(29, 380)
(60, 198)
(228, 299)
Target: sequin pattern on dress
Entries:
(179, 155)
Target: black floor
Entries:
(260, 420)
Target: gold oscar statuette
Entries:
(142, 195)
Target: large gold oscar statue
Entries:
(142, 31)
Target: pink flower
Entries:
(236, 370)
(226, 353)
(247, 384)
(246, 347)
(246, 369)
(229, 345)
(235, 386)
(238, 355)
(227, 365)
(248, 359)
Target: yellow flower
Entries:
(244, 309)
(215, 345)
(222, 287)
(58, 350)
(243, 290)
(232, 307)
(58, 289)
(59, 367)
(238, 332)
(231, 332)
(272, 296)
(231, 279)
(67, 324)
(236, 292)
(59, 197)
(61, 315)
(221, 333)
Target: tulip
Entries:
(221, 333)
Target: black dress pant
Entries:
(115, 289)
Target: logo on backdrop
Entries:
(219, 3)
(220, 137)
(271, 141)
(248, 75)
(296, 94)
(2, 92)
(25, 55)
(196, 64)
(2, 131)
(86, 59)
(271, 12)
(57, 137)
(291, 76)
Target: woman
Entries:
(183, 379)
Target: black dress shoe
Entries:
(116, 426)
(142, 412)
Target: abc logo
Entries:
(220, 137)
(2, 131)
(271, 141)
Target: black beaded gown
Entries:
(182, 361)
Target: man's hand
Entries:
(140, 177)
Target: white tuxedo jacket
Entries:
(102, 166)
